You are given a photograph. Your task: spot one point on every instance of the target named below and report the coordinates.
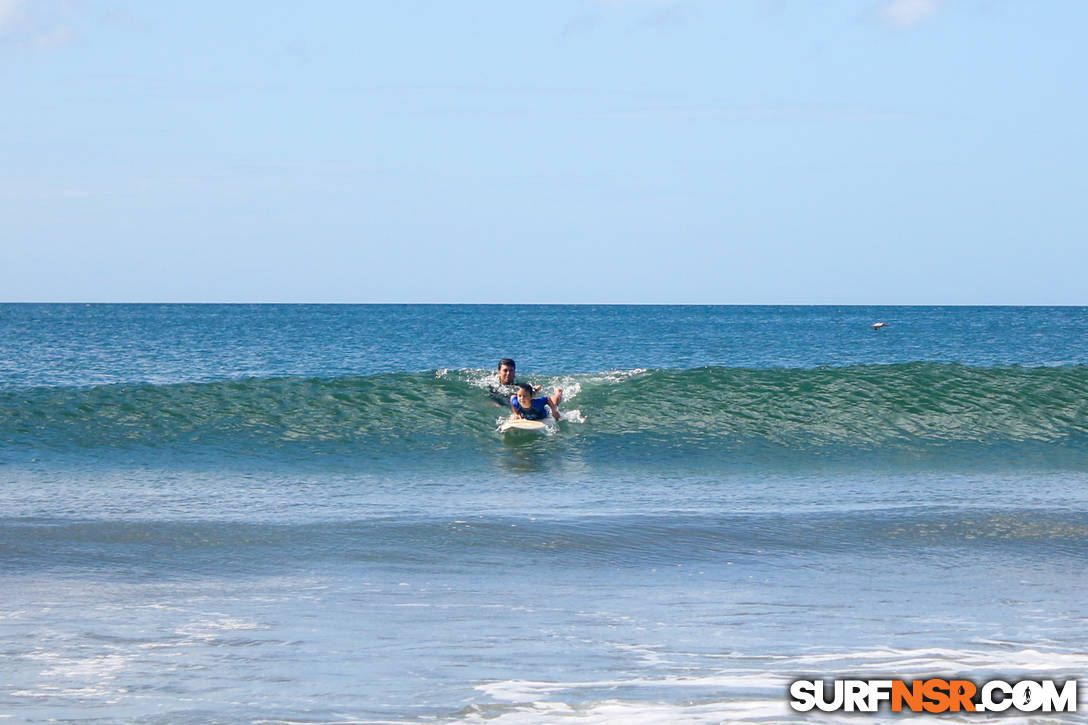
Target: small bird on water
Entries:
(878, 325)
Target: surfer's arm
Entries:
(554, 407)
(515, 411)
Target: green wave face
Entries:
(863, 405)
(916, 407)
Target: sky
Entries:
(558, 151)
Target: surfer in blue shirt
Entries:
(526, 406)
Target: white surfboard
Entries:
(526, 426)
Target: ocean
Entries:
(306, 514)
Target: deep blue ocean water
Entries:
(235, 513)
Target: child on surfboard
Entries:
(526, 406)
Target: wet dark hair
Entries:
(526, 387)
(509, 362)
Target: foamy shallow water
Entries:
(643, 611)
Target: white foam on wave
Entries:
(572, 416)
(936, 660)
(756, 690)
(529, 690)
(210, 629)
(634, 713)
(649, 656)
(571, 387)
(477, 378)
(616, 376)
(76, 677)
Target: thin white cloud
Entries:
(907, 13)
(10, 11)
(41, 24)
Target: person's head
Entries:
(525, 394)
(507, 370)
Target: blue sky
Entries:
(597, 151)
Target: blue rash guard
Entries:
(537, 411)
